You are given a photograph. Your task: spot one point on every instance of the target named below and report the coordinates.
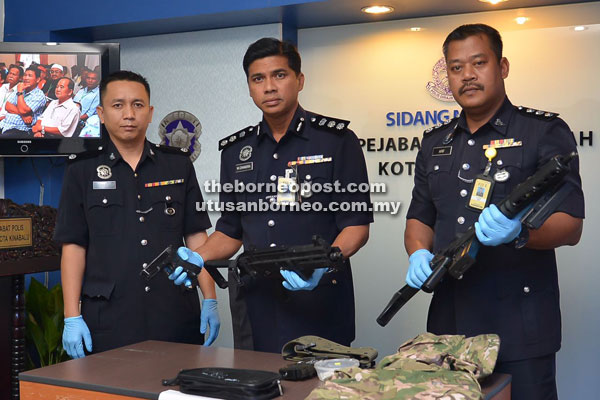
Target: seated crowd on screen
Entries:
(48, 101)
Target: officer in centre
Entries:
(120, 207)
(474, 160)
(290, 145)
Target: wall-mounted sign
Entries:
(181, 129)
(15, 233)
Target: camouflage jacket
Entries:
(427, 367)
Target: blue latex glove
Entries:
(209, 318)
(75, 334)
(493, 228)
(190, 256)
(293, 281)
(418, 268)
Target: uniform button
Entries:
(271, 222)
(308, 177)
(460, 220)
(471, 142)
(463, 193)
(436, 167)
(104, 201)
(142, 219)
(144, 265)
(273, 177)
(334, 281)
(147, 289)
(499, 162)
(526, 289)
(275, 156)
(272, 245)
(168, 198)
(272, 199)
(466, 166)
(144, 242)
(135, 175)
(139, 196)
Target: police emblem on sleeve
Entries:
(438, 87)
(181, 129)
(104, 171)
(245, 153)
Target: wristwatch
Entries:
(19, 93)
(522, 238)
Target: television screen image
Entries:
(49, 94)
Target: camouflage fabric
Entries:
(428, 367)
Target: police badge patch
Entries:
(181, 129)
(245, 153)
(439, 88)
(104, 171)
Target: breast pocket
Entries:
(439, 178)
(167, 206)
(316, 182)
(105, 212)
(507, 170)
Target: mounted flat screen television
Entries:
(49, 95)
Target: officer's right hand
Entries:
(75, 334)
(418, 269)
(179, 276)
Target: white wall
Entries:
(361, 72)
(200, 72)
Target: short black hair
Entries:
(123, 76)
(21, 72)
(3, 74)
(267, 47)
(465, 31)
(35, 69)
(71, 84)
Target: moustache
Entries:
(470, 86)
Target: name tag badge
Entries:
(481, 193)
(286, 190)
(103, 185)
(243, 167)
(442, 151)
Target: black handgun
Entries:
(266, 263)
(167, 261)
(543, 191)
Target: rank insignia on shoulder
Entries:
(545, 115)
(329, 124)
(239, 135)
(170, 149)
(436, 127)
(86, 154)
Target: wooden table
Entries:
(136, 371)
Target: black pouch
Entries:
(228, 383)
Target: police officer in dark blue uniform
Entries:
(479, 158)
(120, 207)
(291, 146)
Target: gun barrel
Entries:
(400, 298)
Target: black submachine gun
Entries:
(543, 192)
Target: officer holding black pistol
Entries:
(120, 207)
(470, 162)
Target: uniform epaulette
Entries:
(171, 149)
(329, 124)
(437, 127)
(239, 135)
(86, 154)
(545, 115)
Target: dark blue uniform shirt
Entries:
(106, 208)
(511, 292)
(253, 156)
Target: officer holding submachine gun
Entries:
(467, 164)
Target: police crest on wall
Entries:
(438, 87)
(181, 129)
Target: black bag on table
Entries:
(228, 383)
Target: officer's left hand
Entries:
(178, 276)
(493, 228)
(294, 282)
(209, 318)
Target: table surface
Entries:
(138, 370)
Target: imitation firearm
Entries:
(266, 263)
(542, 193)
(167, 261)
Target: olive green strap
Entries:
(311, 347)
